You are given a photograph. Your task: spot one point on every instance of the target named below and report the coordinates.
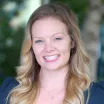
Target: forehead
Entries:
(48, 26)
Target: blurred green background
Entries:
(11, 32)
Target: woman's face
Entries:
(51, 43)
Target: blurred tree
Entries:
(10, 38)
(91, 29)
(100, 67)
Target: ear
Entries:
(72, 44)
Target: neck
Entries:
(53, 80)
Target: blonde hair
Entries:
(78, 79)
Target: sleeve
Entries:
(8, 84)
(97, 93)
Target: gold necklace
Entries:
(52, 97)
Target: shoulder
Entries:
(7, 85)
(97, 87)
(97, 93)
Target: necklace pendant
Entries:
(51, 101)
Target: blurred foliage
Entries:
(10, 39)
(79, 7)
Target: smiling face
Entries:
(51, 43)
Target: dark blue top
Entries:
(96, 91)
(8, 84)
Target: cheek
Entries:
(37, 50)
(65, 48)
(38, 54)
(66, 54)
(66, 51)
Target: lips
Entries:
(51, 58)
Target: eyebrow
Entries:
(52, 35)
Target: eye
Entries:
(58, 38)
(39, 41)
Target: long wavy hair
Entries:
(78, 79)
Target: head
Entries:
(52, 30)
(53, 16)
(46, 24)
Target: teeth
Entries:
(51, 57)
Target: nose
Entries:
(49, 47)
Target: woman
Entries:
(54, 66)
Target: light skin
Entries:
(51, 45)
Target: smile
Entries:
(51, 58)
